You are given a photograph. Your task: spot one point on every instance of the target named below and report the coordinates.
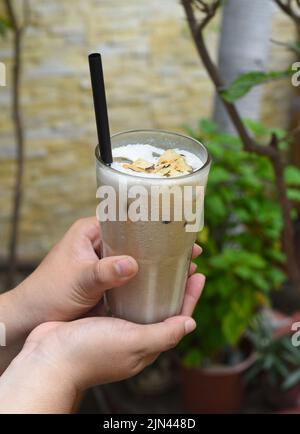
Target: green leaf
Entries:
(287, 344)
(281, 367)
(277, 276)
(208, 126)
(243, 215)
(257, 128)
(269, 361)
(276, 255)
(295, 46)
(252, 259)
(292, 380)
(292, 176)
(260, 282)
(193, 357)
(233, 326)
(216, 207)
(219, 174)
(253, 372)
(293, 194)
(226, 193)
(216, 150)
(245, 82)
(244, 272)
(218, 262)
(4, 26)
(228, 139)
(291, 359)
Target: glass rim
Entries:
(107, 166)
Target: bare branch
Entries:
(17, 29)
(287, 8)
(202, 6)
(211, 13)
(209, 10)
(286, 45)
(274, 141)
(291, 133)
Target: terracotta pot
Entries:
(279, 398)
(217, 389)
(295, 410)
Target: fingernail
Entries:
(197, 250)
(193, 268)
(124, 267)
(190, 325)
(200, 249)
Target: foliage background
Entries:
(154, 79)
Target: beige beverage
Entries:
(162, 248)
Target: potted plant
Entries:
(277, 365)
(242, 260)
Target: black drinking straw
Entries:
(100, 106)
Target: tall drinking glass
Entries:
(161, 245)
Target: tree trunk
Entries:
(18, 32)
(243, 47)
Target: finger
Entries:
(106, 273)
(155, 338)
(91, 229)
(192, 269)
(197, 250)
(88, 227)
(194, 289)
(86, 232)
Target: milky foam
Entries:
(150, 154)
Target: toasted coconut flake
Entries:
(169, 164)
(182, 166)
(174, 172)
(168, 156)
(139, 165)
(163, 171)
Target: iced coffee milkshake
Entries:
(153, 195)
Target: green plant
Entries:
(277, 358)
(249, 208)
(241, 240)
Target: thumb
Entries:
(158, 337)
(107, 273)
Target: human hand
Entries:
(68, 284)
(66, 358)
(71, 280)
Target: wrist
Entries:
(23, 308)
(33, 383)
(16, 320)
(19, 315)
